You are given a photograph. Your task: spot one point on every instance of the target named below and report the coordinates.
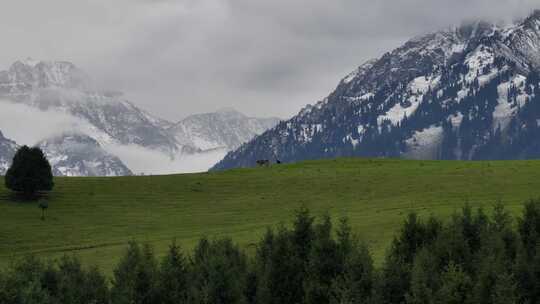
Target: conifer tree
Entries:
(424, 279)
(323, 265)
(505, 291)
(219, 272)
(136, 276)
(174, 277)
(30, 172)
(455, 287)
(357, 281)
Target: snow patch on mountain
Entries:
(456, 119)
(399, 111)
(417, 88)
(506, 109)
(477, 61)
(424, 144)
(423, 84)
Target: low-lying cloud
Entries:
(28, 125)
(146, 161)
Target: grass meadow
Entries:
(94, 218)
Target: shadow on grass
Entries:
(22, 198)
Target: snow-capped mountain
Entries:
(470, 92)
(61, 86)
(81, 155)
(116, 133)
(225, 129)
(7, 151)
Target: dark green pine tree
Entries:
(396, 273)
(135, 277)
(219, 273)
(283, 259)
(30, 172)
(323, 265)
(424, 278)
(355, 283)
(505, 291)
(528, 261)
(23, 283)
(455, 287)
(173, 277)
(74, 284)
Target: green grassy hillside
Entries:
(95, 217)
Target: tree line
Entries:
(473, 257)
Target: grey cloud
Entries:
(177, 57)
(43, 124)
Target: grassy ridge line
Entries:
(95, 217)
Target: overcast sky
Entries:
(262, 57)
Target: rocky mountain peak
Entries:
(532, 23)
(476, 29)
(26, 75)
(534, 17)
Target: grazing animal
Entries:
(263, 163)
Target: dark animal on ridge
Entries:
(263, 163)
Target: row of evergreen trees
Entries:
(470, 258)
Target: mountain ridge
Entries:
(449, 90)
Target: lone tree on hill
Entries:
(30, 172)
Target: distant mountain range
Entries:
(470, 93)
(225, 128)
(105, 120)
